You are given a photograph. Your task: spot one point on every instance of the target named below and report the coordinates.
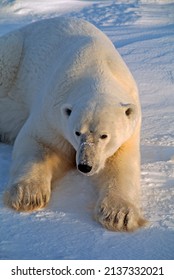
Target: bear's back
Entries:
(54, 47)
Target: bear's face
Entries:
(97, 132)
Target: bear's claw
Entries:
(119, 218)
(26, 196)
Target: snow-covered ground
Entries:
(143, 32)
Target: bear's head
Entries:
(97, 131)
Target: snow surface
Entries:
(143, 32)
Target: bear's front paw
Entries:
(118, 215)
(27, 196)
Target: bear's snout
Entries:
(84, 168)
(84, 158)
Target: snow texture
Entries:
(143, 32)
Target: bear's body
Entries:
(66, 99)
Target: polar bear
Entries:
(68, 100)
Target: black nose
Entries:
(84, 168)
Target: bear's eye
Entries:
(77, 133)
(103, 136)
(128, 112)
(68, 111)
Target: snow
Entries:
(143, 32)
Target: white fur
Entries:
(67, 98)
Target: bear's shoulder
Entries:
(11, 45)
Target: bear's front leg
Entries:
(118, 207)
(32, 172)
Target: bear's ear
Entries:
(129, 110)
(66, 110)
